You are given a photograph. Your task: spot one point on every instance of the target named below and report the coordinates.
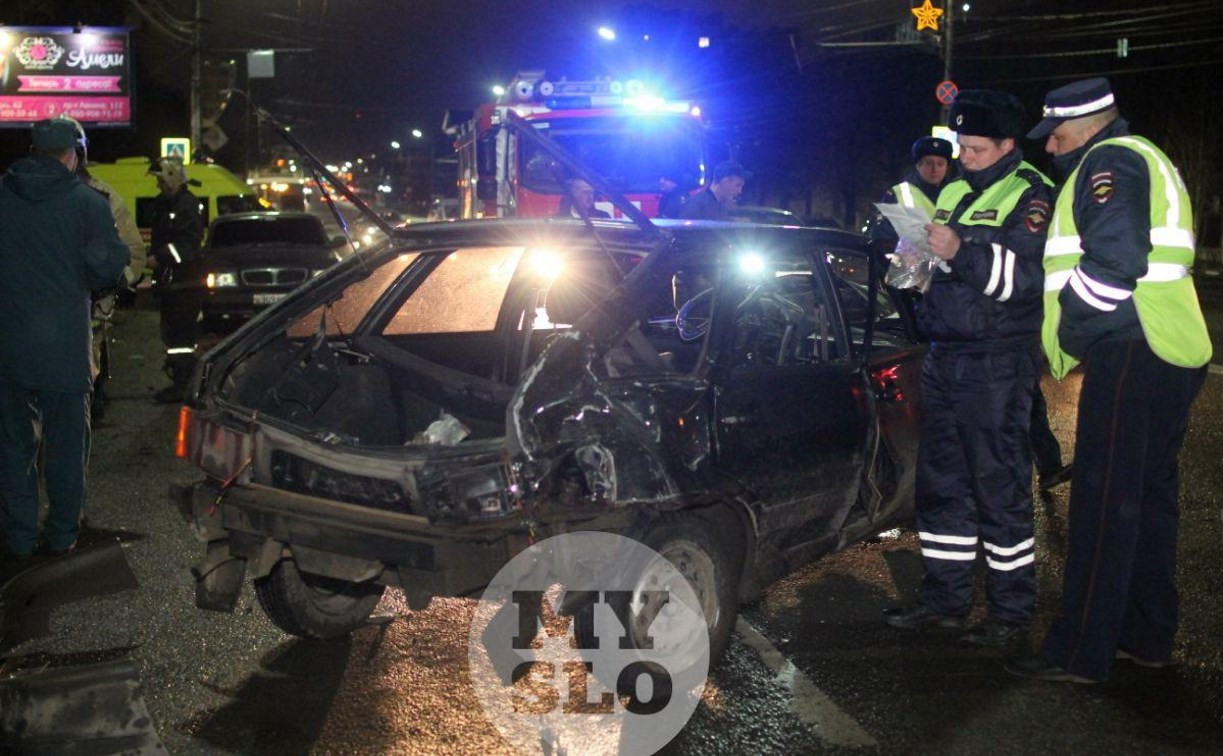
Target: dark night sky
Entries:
(846, 116)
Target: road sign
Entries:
(176, 147)
(946, 92)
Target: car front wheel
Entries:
(313, 606)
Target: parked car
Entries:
(252, 260)
(415, 416)
(775, 216)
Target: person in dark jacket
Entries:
(713, 203)
(579, 201)
(178, 230)
(57, 244)
(1119, 298)
(671, 197)
(982, 314)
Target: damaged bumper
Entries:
(251, 527)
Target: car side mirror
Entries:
(337, 242)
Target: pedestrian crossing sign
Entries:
(179, 147)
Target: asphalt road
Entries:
(812, 668)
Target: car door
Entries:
(788, 417)
(891, 361)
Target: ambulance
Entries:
(220, 192)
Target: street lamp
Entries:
(417, 133)
(607, 33)
(394, 145)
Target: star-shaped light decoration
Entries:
(927, 16)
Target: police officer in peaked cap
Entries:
(982, 314)
(1118, 299)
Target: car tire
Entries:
(313, 606)
(711, 568)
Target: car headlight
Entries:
(219, 280)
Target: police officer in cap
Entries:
(982, 314)
(932, 170)
(1119, 299)
(178, 230)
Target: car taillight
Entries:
(217, 450)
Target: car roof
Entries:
(263, 215)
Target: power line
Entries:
(1101, 51)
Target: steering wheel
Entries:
(691, 326)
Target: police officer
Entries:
(57, 244)
(178, 230)
(1118, 298)
(714, 202)
(982, 314)
(932, 170)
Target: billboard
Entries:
(83, 72)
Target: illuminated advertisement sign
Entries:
(50, 71)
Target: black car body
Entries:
(732, 383)
(252, 260)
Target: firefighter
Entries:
(57, 244)
(178, 230)
(982, 314)
(1119, 299)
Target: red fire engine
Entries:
(624, 134)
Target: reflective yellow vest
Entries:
(1165, 299)
(995, 203)
(908, 195)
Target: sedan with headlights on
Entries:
(252, 260)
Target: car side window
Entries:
(462, 294)
(781, 316)
(850, 277)
(345, 312)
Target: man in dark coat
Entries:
(715, 201)
(178, 229)
(57, 244)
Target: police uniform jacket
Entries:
(989, 295)
(177, 221)
(57, 244)
(1120, 235)
(880, 228)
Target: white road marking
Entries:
(811, 705)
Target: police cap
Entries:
(987, 113)
(1075, 100)
(929, 145)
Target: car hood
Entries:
(263, 255)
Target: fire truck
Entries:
(625, 134)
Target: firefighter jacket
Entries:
(57, 244)
(178, 228)
(1118, 256)
(129, 233)
(989, 293)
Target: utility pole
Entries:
(197, 54)
(948, 10)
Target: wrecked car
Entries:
(424, 410)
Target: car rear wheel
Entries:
(711, 570)
(313, 606)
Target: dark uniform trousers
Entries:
(974, 477)
(1120, 588)
(64, 419)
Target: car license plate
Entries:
(267, 299)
